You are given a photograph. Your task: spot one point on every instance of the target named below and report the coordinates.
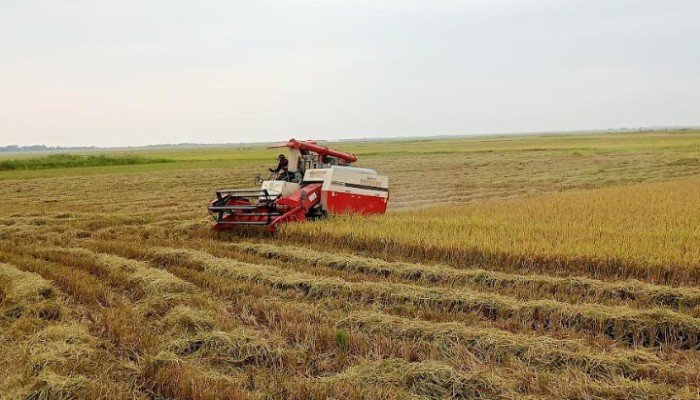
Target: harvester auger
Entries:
(320, 182)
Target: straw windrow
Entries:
(653, 327)
(47, 353)
(168, 314)
(498, 346)
(424, 379)
(24, 292)
(566, 289)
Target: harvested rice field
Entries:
(508, 267)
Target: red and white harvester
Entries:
(320, 182)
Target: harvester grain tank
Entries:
(322, 181)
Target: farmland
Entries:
(542, 266)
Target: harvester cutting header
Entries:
(316, 181)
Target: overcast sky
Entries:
(121, 72)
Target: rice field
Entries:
(537, 267)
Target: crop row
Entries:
(489, 345)
(641, 327)
(426, 379)
(308, 326)
(191, 327)
(179, 376)
(546, 359)
(435, 380)
(47, 353)
(175, 322)
(572, 289)
(498, 346)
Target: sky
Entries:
(131, 73)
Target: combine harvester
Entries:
(321, 182)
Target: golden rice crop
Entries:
(646, 231)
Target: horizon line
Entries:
(43, 147)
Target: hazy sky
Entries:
(121, 72)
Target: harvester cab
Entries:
(321, 182)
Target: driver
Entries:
(282, 170)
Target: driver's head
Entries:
(281, 157)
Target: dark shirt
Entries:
(282, 166)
